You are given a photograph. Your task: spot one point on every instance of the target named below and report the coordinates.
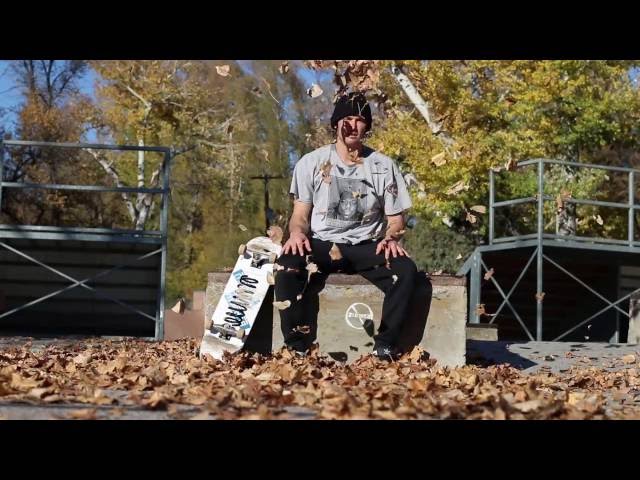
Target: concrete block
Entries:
(350, 311)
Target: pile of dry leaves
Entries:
(165, 375)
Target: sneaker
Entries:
(386, 353)
(298, 353)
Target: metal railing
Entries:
(475, 264)
(46, 232)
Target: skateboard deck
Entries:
(242, 298)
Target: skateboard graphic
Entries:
(242, 298)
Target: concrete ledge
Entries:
(350, 311)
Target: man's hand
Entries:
(390, 247)
(296, 243)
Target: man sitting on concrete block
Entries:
(348, 216)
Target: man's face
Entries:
(351, 130)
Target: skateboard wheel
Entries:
(241, 249)
(270, 279)
(272, 258)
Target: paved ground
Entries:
(551, 356)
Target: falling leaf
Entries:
(299, 297)
(628, 359)
(242, 227)
(599, 220)
(356, 194)
(275, 233)
(479, 208)
(540, 296)
(471, 218)
(326, 171)
(439, 159)
(284, 67)
(457, 188)
(315, 91)
(511, 165)
(335, 253)
(489, 274)
(282, 305)
(305, 329)
(480, 309)
(395, 279)
(222, 70)
(459, 256)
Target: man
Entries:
(349, 202)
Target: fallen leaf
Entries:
(315, 91)
(527, 406)
(222, 70)
(203, 415)
(83, 414)
(39, 393)
(82, 359)
(20, 383)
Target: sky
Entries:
(10, 94)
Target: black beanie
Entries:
(354, 104)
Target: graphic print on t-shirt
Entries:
(346, 202)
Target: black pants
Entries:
(299, 322)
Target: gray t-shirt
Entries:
(350, 202)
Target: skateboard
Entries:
(242, 298)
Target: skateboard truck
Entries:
(257, 258)
(228, 332)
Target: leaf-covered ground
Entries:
(169, 376)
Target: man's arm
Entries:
(395, 227)
(298, 229)
(395, 230)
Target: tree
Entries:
(53, 110)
